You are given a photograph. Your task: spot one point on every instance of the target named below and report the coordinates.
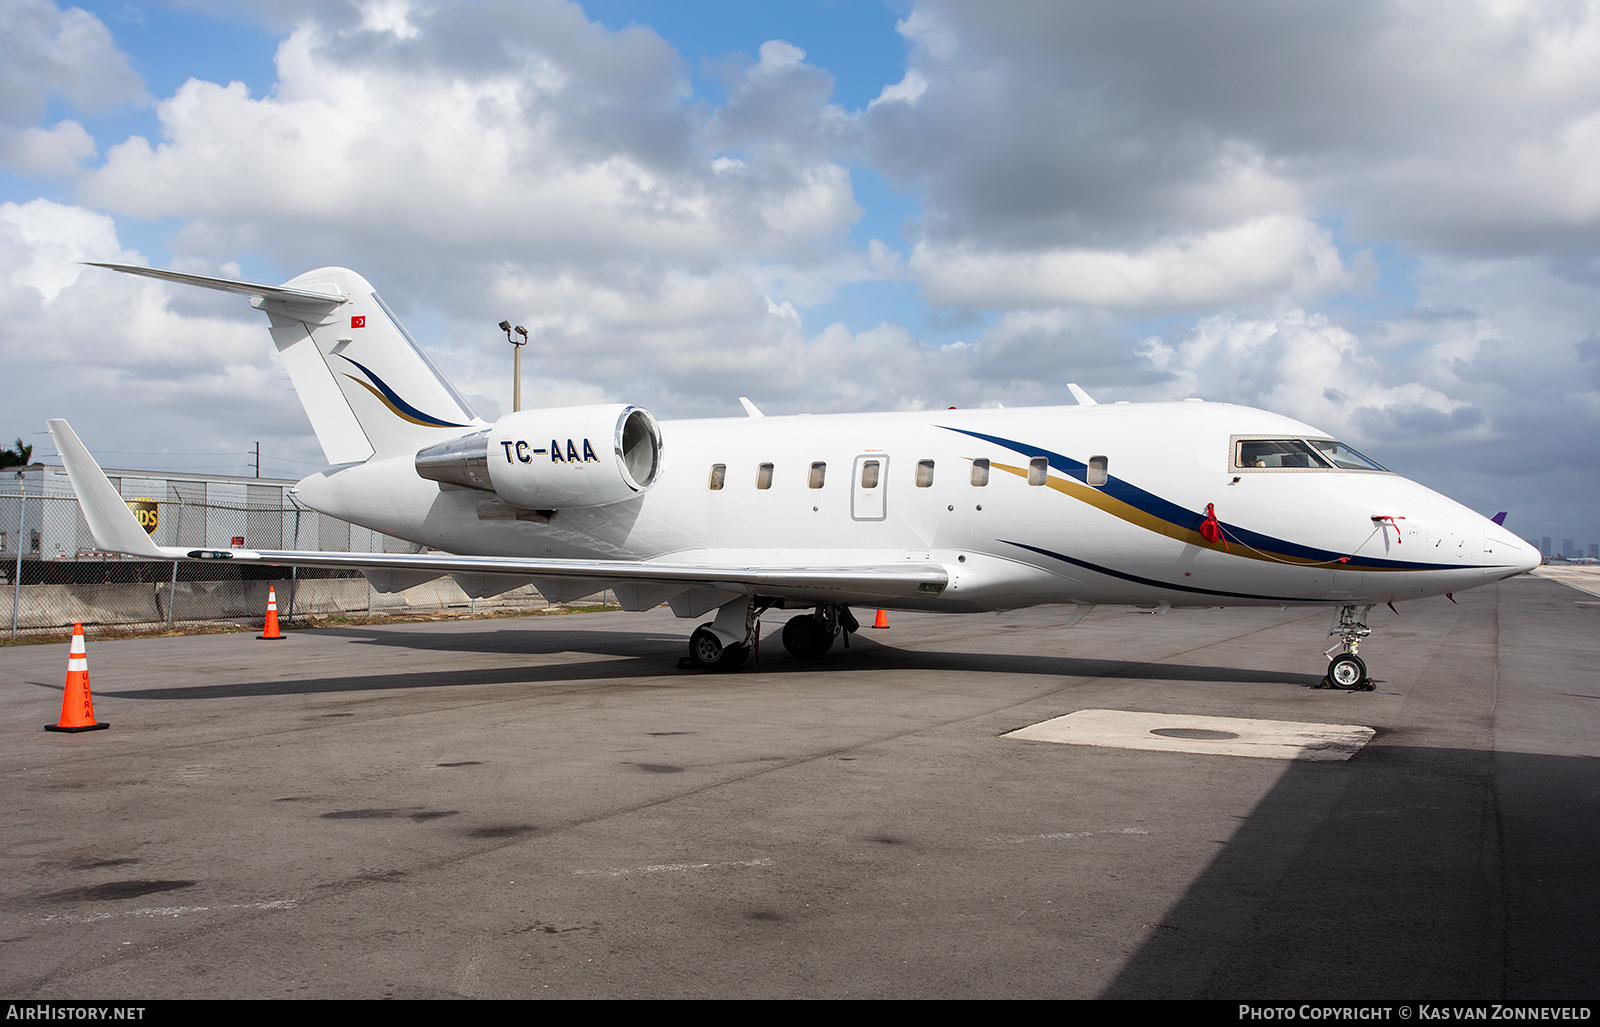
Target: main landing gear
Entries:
(1347, 670)
(706, 651)
(811, 635)
(726, 643)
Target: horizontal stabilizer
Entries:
(258, 293)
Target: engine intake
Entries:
(554, 459)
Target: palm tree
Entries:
(16, 457)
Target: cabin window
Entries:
(764, 476)
(1097, 471)
(819, 471)
(980, 472)
(924, 474)
(1038, 470)
(869, 474)
(719, 476)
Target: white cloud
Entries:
(45, 242)
(134, 365)
(691, 344)
(904, 91)
(45, 50)
(52, 152)
(390, 16)
(1266, 257)
(1304, 365)
(557, 176)
(1471, 127)
(1488, 390)
(563, 147)
(776, 54)
(924, 27)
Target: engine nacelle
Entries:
(554, 459)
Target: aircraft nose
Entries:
(1510, 550)
(1526, 557)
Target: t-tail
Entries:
(364, 382)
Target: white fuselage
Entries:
(1287, 535)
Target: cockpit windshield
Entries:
(1299, 454)
(1343, 457)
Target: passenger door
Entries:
(868, 483)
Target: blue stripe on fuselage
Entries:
(1190, 520)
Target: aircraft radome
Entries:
(958, 511)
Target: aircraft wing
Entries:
(115, 529)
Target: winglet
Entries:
(111, 522)
(1499, 518)
(1083, 398)
(750, 408)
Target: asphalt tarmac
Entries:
(548, 807)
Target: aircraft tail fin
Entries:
(366, 385)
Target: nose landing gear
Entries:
(1347, 671)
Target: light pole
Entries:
(516, 361)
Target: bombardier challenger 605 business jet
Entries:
(1148, 504)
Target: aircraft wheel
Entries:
(1346, 671)
(707, 652)
(806, 637)
(705, 648)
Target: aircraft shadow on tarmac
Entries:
(772, 658)
(651, 658)
(1406, 872)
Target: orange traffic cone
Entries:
(77, 708)
(272, 633)
(883, 619)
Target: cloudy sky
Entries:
(1382, 218)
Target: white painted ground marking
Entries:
(672, 867)
(89, 918)
(1016, 839)
(1222, 736)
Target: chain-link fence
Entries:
(54, 577)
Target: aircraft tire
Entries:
(707, 652)
(806, 637)
(1347, 671)
(705, 648)
(733, 658)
